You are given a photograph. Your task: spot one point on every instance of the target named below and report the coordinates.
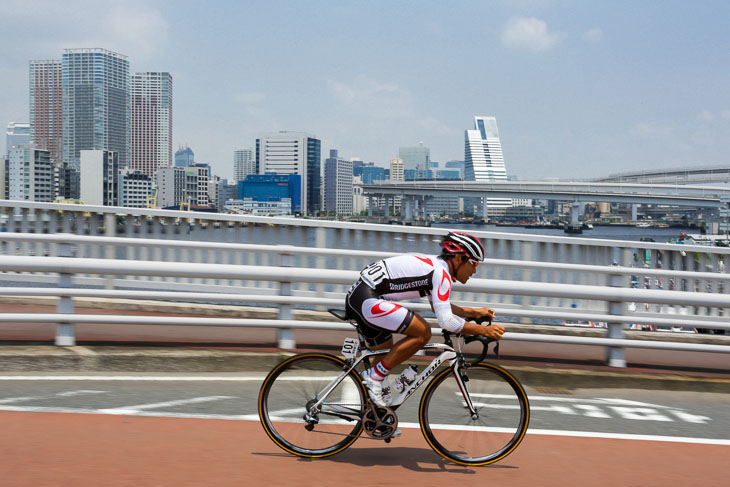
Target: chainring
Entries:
(379, 422)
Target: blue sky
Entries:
(579, 88)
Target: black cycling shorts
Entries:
(377, 318)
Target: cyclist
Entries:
(370, 301)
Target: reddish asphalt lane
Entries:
(61, 449)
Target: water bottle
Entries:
(406, 378)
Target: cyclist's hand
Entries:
(486, 313)
(494, 331)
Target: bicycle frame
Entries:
(448, 354)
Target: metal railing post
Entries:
(65, 333)
(285, 336)
(616, 356)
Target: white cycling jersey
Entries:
(407, 277)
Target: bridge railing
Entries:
(32, 229)
(366, 241)
(69, 267)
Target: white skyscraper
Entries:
(151, 122)
(293, 153)
(243, 164)
(483, 157)
(337, 184)
(95, 103)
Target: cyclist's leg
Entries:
(418, 334)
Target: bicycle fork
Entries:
(461, 380)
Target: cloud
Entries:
(433, 125)
(529, 33)
(592, 35)
(365, 96)
(651, 130)
(250, 97)
(140, 31)
(135, 28)
(706, 116)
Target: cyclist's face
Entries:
(464, 269)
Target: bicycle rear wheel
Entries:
(289, 391)
(503, 413)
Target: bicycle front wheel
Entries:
(287, 405)
(503, 413)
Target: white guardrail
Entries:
(72, 251)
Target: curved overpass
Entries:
(631, 193)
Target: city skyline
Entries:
(579, 89)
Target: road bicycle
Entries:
(472, 412)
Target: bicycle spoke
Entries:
(293, 388)
(498, 426)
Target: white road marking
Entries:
(10, 400)
(402, 425)
(645, 412)
(158, 405)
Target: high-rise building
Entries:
(30, 174)
(415, 157)
(337, 184)
(18, 134)
(99, 177)
(244, 164)
(151, 122)
(483, 159)
(95, 103)
(184, 157)
(46, 106)
(293, 153)
(397, 172)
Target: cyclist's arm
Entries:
(492, 331)
(472, 313)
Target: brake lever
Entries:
(485, 341)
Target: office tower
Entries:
(46, 106)
(18, 134)
(293, 153)
(135, 187)
(483, 160)
(95, 103)
(151, 122)
(397, 172)
(184, 157)
(243, 164)
(99, 177)
(30, 174)
(337, 184)
(415, 157)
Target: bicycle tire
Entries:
(287, 390)
(503, 415)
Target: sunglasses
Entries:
(474, 263)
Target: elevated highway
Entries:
(696, 196)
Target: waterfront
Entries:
(617, 232)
